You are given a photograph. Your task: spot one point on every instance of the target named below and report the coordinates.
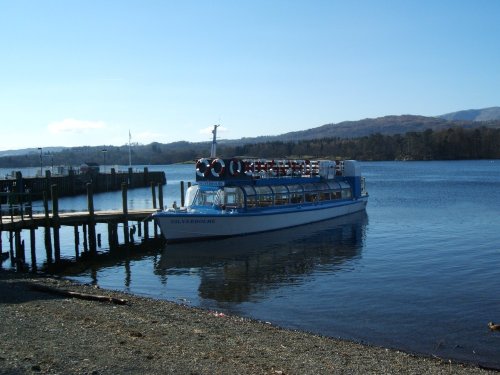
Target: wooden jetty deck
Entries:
(21, 218)
(72, 218)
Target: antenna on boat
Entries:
(213, 151)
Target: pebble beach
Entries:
(47, 330)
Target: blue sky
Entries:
(85, 72)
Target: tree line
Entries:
(451, 144)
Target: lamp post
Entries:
(41, 161)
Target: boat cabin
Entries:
(251, 184)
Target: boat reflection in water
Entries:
(240, 269)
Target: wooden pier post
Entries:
(55, 222)
(110, 236)
(160, 196)
(19, 250)
(125, 213)
(90, 204)
(139, 229)
(48, 240)
(33, 249)
(77, 241)
(85, 241)
(11, 244)
(153, 194)
(146, 230)
(115, 234)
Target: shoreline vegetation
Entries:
(49, 328)
(454, 143)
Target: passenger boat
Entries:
(238, 196)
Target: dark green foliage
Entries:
(450, 144)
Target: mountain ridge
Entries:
(484, 114)
(386, 125)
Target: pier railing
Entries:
(74, 183)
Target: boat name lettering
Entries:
(192, 221)
(212, 183)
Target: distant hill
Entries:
(26, 151)
(387, 125)
(485, 114)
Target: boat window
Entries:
(333, 185)
(281, 195)
(205, 197)
(312, 191)
(346, 190)
(219, 198)
(296, 193)
(249, 192)
(190, 194)
(335, 190)
(264, 196)
(248, 189)
(233, 197)
(324, 195)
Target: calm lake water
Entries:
(419, 271)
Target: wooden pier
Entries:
(75, 182)
(21, 218)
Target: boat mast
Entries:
(213, 151)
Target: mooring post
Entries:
(110, 235)
(131, 233)
(11, 244)
(125, 213)
(85, 241)
(90, 203)
(48, 240)
(160, 196)
(19, 250)
(115, 234)
(30, 202)
(55, 222)
(77, 241)
(33, 249)
(153, 194)
(146, 229)
(139, 229)
(182, 193)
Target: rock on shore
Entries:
(48, 333)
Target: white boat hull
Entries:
(179, 226)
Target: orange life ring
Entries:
(218, 167)
(202, 167)
(235, 167)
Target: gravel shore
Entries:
(48, 333)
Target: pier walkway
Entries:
(17, 219)
(35, 221)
